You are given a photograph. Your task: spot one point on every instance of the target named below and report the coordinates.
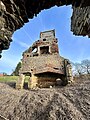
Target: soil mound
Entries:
(71, 102)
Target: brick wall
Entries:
(41, 62)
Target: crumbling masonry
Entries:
(14, 13)
(43, 63)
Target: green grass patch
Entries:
(9, 78)
(12, 78)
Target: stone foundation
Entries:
(20, 82)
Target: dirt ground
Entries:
(71, 102)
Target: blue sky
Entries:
(75, 48)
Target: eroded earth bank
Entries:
(71, 102)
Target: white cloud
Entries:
(8, 63)
(22, 44)
(41, 21)
(28, 34)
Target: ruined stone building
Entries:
(43, 63)
(15, 13)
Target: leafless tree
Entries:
(78, 68)
(86, 66)
(81, 68)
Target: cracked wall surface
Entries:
(43, 63)
(14, 13)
